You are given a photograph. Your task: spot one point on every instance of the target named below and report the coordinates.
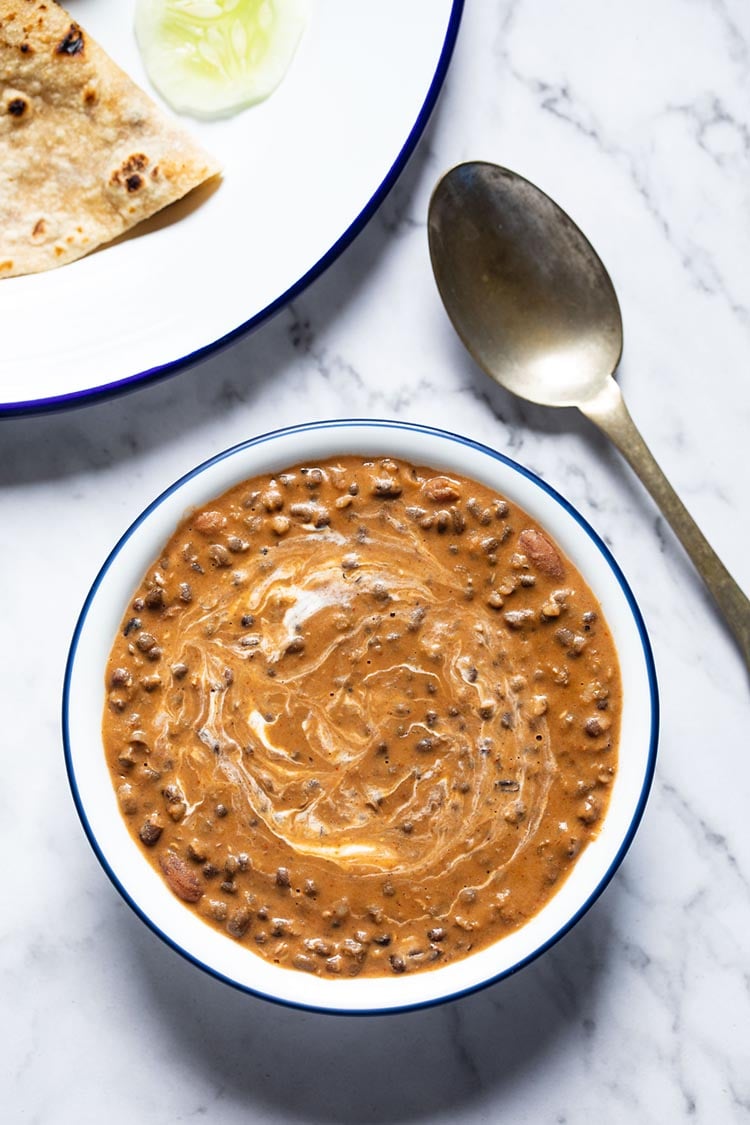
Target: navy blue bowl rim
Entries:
(303, 428)
(153, 374)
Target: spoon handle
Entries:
(609, 412)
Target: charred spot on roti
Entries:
(129, 172)
(6, 267)
(40, 229)
(17, 105)
(135, 163)
(73, 42)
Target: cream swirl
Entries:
(360, 718)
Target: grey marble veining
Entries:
(636, 118)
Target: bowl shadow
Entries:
(416, 1066)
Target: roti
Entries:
(85, 154)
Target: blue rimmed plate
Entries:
(303, 172)
(83, 704)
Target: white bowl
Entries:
(94, 795)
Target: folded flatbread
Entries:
(84, 153)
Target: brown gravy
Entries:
(362, 716)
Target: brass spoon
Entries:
(536, 308)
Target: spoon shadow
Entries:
(413, 1067)
(103, 434)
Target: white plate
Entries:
(145, 890)
(303, 172)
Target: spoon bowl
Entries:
(535, 307)
(525, 289)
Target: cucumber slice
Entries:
(211, 58)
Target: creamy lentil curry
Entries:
(362, 716)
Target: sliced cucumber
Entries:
(210, 58)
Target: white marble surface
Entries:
(636, 118)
